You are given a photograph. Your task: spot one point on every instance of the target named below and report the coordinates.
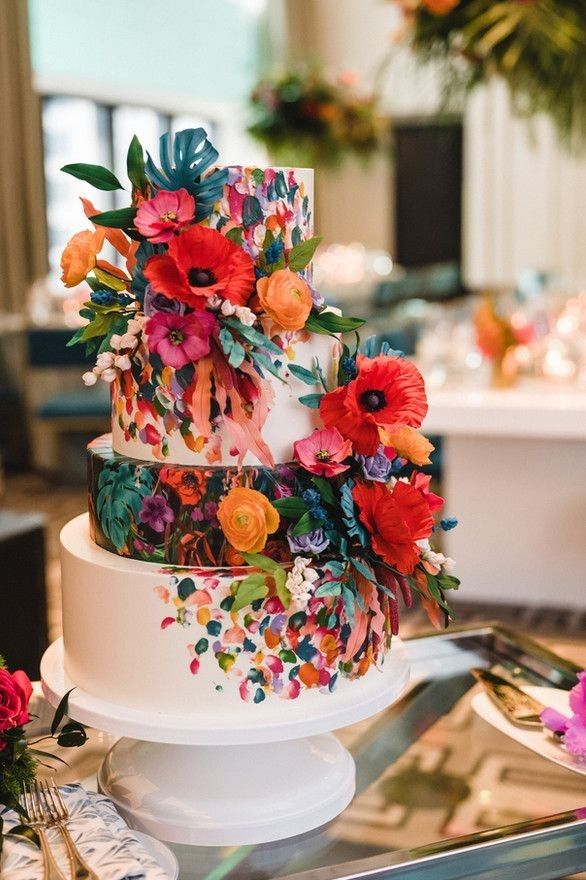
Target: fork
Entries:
(58, 814)
(39, 821)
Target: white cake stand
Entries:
(227, 781)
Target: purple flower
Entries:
(155, 302)
(316, 297)
(197, 514)
(210, 510)
(155, 512)
(376, 467)
(312, 542)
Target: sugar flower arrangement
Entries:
(572, 730)
(220, 308)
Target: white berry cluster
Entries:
(230, 310)
(437, 560)
(122, 346)
(300, 581)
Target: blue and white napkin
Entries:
(103, 838)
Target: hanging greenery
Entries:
(537, 46)
(303, 117)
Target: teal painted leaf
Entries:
(254, 336)
(121, 489)
(96, 175)
(354, 527)
(265, 363)
(302, 253)
(231, 348)
(184, 161)
(251, 211)
(311, 400)
(302, 374)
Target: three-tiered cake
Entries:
(257, 512)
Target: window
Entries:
(83, 130)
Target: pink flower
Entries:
(322, 452)
(573, 729)
(180, 339)
(15, 693)
(159, 218)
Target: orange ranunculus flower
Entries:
(409, 443)
(79, 256)
(286, 298)
(247, 518)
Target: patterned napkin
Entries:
(101, 835)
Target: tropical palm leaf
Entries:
(121, 489)
(184, 161)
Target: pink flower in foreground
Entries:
(322, 452)
(159, 218)
(180, 339)
(15, 693)
(574, 728)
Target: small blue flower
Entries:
(348, 368)
(274, 252)
(109, 298)
(311, 497)
(448, 524)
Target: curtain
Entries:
(23, 234)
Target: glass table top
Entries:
(440, 792)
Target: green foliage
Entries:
(290, 508)
(249, 590)
(311, 400)
(330, 322)
(233, 350)
(121, 489)
(302, 254)
(121, 218)
(135, 166)
(301, 373)
(96, 175)
(278, 573)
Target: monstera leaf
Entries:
(121, 489)
(183, 162)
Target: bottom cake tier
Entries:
(167, 639)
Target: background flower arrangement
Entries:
(317, 120)
(537, 46)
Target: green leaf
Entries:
(448, 581)
(311, 400)
(121, 489)
(364, 570)
(259, 560)
(301, 373)
(24, 831)
(122, 218)
(307, 523)
(330, 322)
(290, 508)
(266, 363)
(106, 279)
(249, 590)
(72, 735)
(231, 348)
(77, 337)
(325, 490)
(100, 326)
(302, 254)
(254, 336)
(329, 588)
(96, 175)
(135, 165)
(60, 711)
(281, 587)
(235, 234)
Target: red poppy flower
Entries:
(388, 391)
(189, 484)
(421, 482)
(395, 520)
(200, 263)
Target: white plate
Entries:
(164, 857)
(540, 741)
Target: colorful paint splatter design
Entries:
(264, 649)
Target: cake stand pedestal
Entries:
(242, 777)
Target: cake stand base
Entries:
(228, 795)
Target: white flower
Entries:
(300, 581)
(105, 360)
(214, 302)
(109, 375)
(136, 325)
(294, 580)
(129, 340)
(245, 315)
(122, 362)
(311, 575)
(301, 562)
(115, 341)
(90, 378)
(228, 308)
(449, 564)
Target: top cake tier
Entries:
(162, 411)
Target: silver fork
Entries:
(38, 820)
(58, 813)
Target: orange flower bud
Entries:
(247, 518)
(408, 443)
(79, 256)
(286, 298)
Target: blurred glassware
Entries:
(351, 272)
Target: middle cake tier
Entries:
(167, 513)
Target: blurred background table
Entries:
(514, 469)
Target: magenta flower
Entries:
(159, 218)
(155, 512)
(573, 729)
(180, 339)
(322, 452)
